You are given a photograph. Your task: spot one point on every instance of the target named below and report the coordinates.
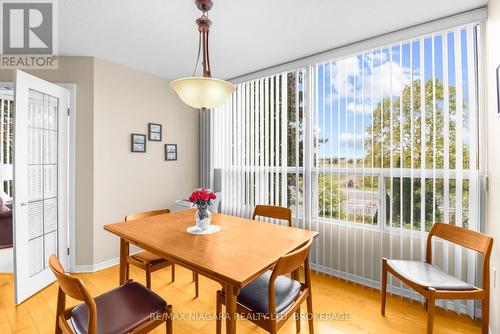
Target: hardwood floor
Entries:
(362, 305)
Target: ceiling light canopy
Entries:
(203, 92)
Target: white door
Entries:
(40, 182)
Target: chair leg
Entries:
(273, 328)
(486, 314)
(430, 310)
(384, 286)
(173, 272)
(196, 285)
(148, 276)
(61, 305)
(218, 320)
(127, 272)
(310, 315)
(169, 320)
(297, 320)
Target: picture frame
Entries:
(170, 152)
(154, 132)
(138, 143)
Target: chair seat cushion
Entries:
(120, 310)
(428, 275)
(148, 257)
(255, 295)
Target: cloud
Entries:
(343, 75)
(360, 107)
(351, 139)
(386, 78)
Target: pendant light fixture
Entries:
(202, 92)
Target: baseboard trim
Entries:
(91, 268)
(96, 267)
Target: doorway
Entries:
(6, 177)
(34, 176)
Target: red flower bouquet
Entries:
(201, 198)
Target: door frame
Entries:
(71, 87)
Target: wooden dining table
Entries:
(242, 250)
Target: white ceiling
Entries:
(160, 37)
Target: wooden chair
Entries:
(432, 283)
(271, 299)
(271, 211)
(150, 262)
(130, 308)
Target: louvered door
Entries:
(40, 180)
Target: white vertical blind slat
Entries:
(474, 202)
(459, 152)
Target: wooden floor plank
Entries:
(360, 304)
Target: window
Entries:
(404, 116)
(370, 150)
(390, 128)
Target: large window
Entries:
(388, 135)
(369, 149)
(396, 133)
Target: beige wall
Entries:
(493, 154)
(112, 102)
(125, 100)
(78, 70)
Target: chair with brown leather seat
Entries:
(433, 283)
(271, 211)
(151, 262)
(130, 308)
(273, 298)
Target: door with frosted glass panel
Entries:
(40, 182)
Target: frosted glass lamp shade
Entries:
(200, 92)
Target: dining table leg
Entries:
(124, 252)
(231, 295)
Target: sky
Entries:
(345, 108)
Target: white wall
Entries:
(125, 100)
(493, 155)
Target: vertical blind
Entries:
(369, 150)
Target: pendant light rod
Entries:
(203, 92)
(204, 24)
(204, 27)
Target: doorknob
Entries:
(24, 204)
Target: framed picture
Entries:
(138, 143)
(170, 152)
(154, 132)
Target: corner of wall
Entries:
(492, 225)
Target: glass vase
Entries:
(203, 216)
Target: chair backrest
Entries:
(293, 260)
(290, 263)
(466, 238)
(146, 214)
(461, 236)
(74, 288)
(271, 211)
